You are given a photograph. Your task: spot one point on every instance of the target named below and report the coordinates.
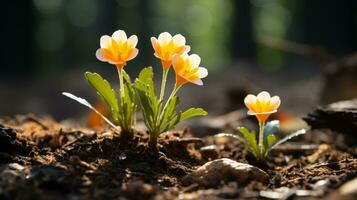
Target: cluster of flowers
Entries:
(171, 50)
(118, 49)
(160, 115)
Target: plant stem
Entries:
(173, 93)
(124, 126)
(161, 112)
(162, 93)
(163, 84)
(153, 142)
(121, 84)
(261, 139)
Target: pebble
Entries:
(348, 191)
(278, 193)
(209, 152)
(9, 173)
(215, 172)
(122, 156)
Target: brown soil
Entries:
(42, 159)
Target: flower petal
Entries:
(202, 72)
(133, 41)
(177, 62)
(133, 54)
(115, 62)
(179, 40)
(119, 36)
(195, 60)
(275, 102)
(250, 99)
(186, 49)
(197, 81)
(100, 55)
(156, 46)
(164, 38)
(263, 96)
(105, 41)
(153, 42)
(250, 112)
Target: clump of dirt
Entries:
(42, 159)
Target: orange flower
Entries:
(187, 69)
(167, 46)
(262, 105)
(118, 49)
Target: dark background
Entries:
(48, 44)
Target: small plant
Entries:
(160, 116)
(262, 106)
(116, 50)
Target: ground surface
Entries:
(42, 159)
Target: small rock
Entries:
(321, 185)
(309, 193)
(349, 187)
(122, 156)
(225, 192)
(214, 172)
(209, 152)
(278, 193)
(347, 191)
(9, 173)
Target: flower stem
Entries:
(173, 93)
(261, 139)
(163, 84)
(121, 84)
(161, 112)
(153, 142)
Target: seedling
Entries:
(116, 50)
(261, 106)
(160, 116)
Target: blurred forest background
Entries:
(251, 44)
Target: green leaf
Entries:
(146, 108)
(146, 83)
(126, 77)
(174, 121)
(270, 141)
(87, 104)
(171, 119)
(105, 91)
(288, 137)
(193, 112)
(145, 90)
(129, 94)
(251, 140)
(169, 115)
